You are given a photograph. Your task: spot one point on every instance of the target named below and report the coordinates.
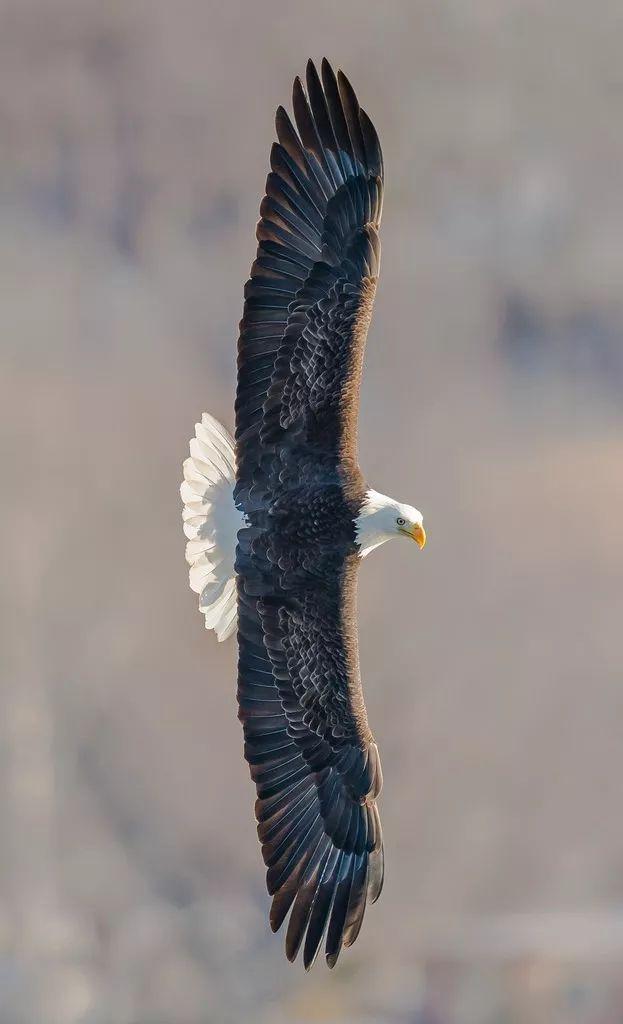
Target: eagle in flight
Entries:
(278, 521)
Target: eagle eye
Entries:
(401, 522)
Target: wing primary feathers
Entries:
(306, 162)
(308, 131)
(280, 189)
(324, 127)
(305, 898)
(289, 169)
(335, 931)
(278, 873)
(278, 839)
(321, 908)
(282, 901)
(372, 146)
(350, 107)
(338, 120)
(376, 875)
(356, 902)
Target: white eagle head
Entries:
(382, 518)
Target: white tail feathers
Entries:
(211, 523)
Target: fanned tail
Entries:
(211, 523)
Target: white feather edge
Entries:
(211, 523)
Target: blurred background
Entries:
(134, 140)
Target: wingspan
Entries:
(307, 310)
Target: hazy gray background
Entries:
(134, 141)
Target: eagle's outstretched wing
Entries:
(309, 299)
(307, 310)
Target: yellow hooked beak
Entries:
(419, 535)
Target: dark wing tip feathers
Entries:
(327, 899)
(331, 123)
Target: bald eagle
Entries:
(279, 521)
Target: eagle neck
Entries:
(372, 524)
